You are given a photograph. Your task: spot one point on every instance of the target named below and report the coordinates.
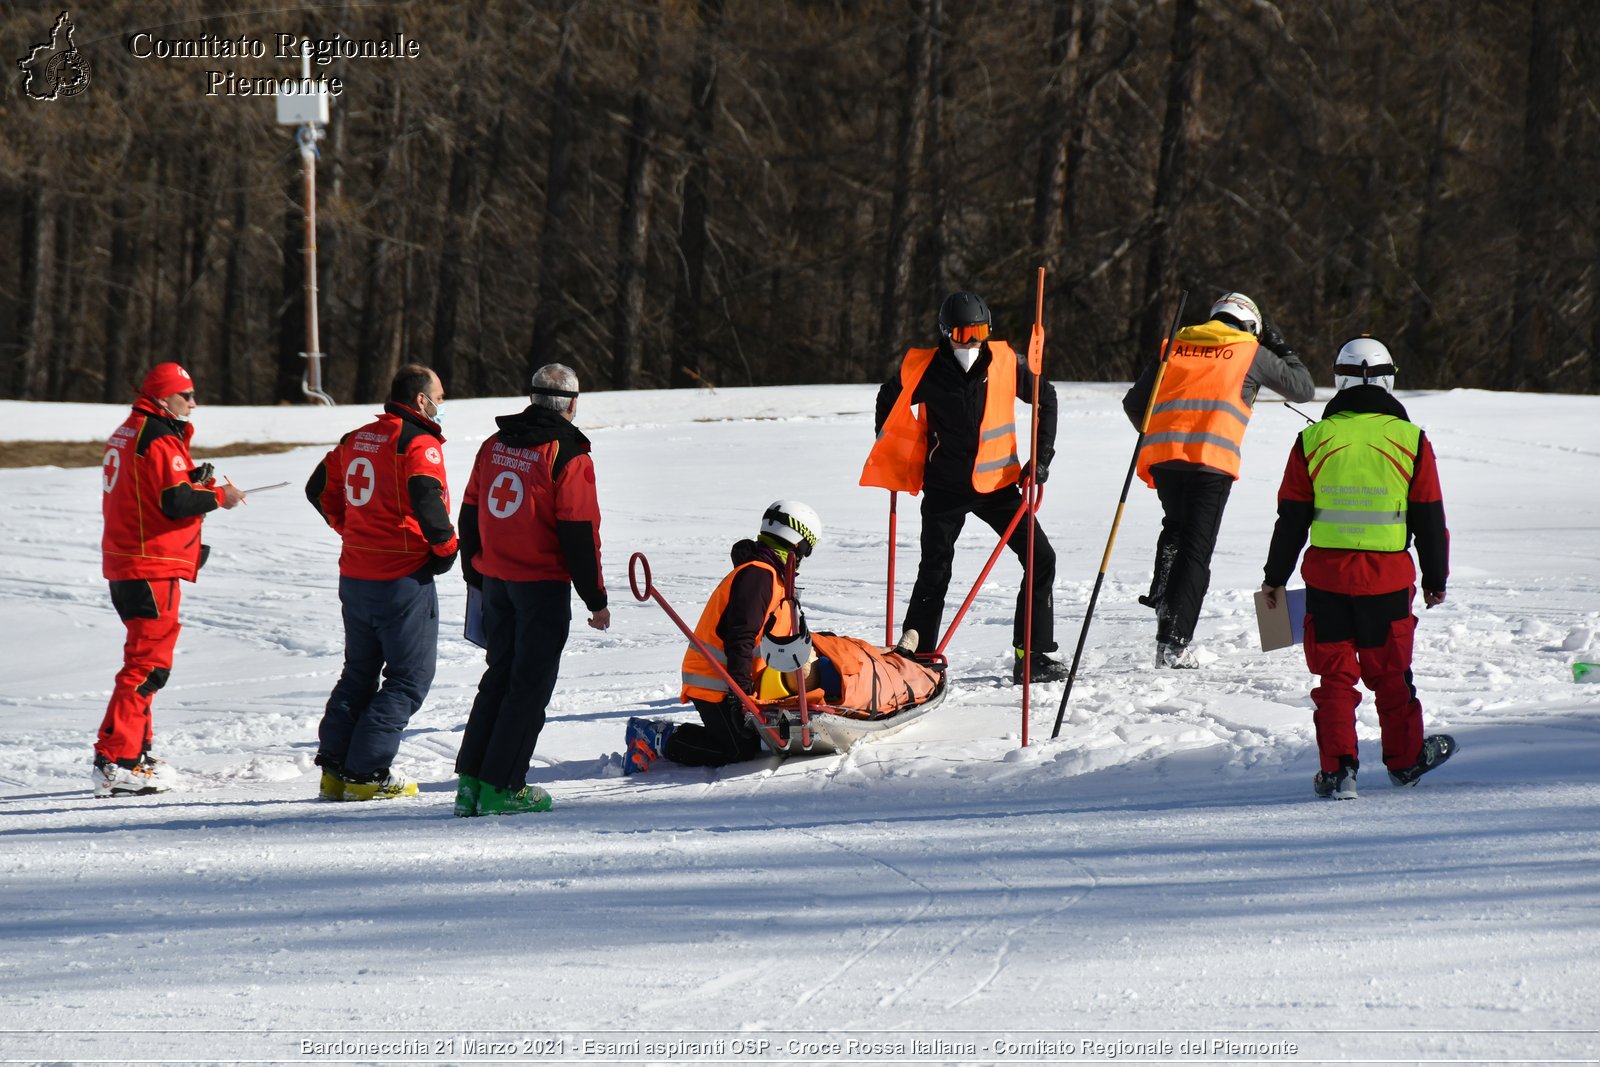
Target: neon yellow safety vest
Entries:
(1361, 466)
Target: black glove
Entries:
(1272, 340)
(470, 575)
(1038, 468)
(205, 554)
(202, 474)
(440, 564)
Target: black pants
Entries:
(526, 625)
(943, 515)
(725, 737)
(1192, 502)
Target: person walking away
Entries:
(154, 499)
(1363, 484)
(530, 534)
(383, 491)
(745, 602)
(962, 449)
(1192, 447)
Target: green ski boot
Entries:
(492, 800)
(467, 790)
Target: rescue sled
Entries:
(791, 722)
(835, 728)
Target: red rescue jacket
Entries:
(153, 508)
(383, 490)
(530, 512)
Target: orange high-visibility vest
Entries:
(1200, 413)
(898, 456)
(700, 678)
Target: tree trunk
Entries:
(1370, 219)
(1050, 185)
(233, 380)
(1183, 95)
(551, 316)
(463, 180)
(459, 199)
(1530, 308)
(66, 305)
(913, 135)
(124, 275)
(36, 271)
(633, 227)
(935, 245)
(688, 341)
(1426, 273)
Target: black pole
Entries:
(1122, 502)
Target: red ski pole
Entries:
(1029, 490)
(894, 497)
(987, 567)
(800, 674)
(649, 592)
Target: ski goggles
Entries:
(966, 335)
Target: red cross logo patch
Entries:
(505, 495)
(359, 481)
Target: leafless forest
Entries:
(730, 192)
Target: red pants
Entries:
(1386, 670)
(149, 609)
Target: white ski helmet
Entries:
(1241, 309)
(1363, 360)
(793, 523)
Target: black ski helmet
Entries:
(962, 309)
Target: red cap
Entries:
(166, 379)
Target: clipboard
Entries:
(472, 629)
(1284, 625)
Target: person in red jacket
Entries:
(383, 490)
(530, 534)
(154, 500)
(1362, 484)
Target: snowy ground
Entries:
(1158, 884)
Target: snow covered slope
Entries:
(1159, 873)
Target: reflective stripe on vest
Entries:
(1361, 466)
(700, 679)
(997, 465)
(1200, 414)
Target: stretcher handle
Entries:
(650, 592)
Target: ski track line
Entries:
(981, 985)
(878, 941)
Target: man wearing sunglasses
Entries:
(962, 450)
(154, 498)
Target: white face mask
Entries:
(966, 356)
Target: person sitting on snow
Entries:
(730, 626)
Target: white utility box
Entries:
(302, 101)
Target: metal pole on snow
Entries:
(1030, 490)
(888, 626)
(1105, 560)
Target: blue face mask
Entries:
(438, 409)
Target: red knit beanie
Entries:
(166, 379)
